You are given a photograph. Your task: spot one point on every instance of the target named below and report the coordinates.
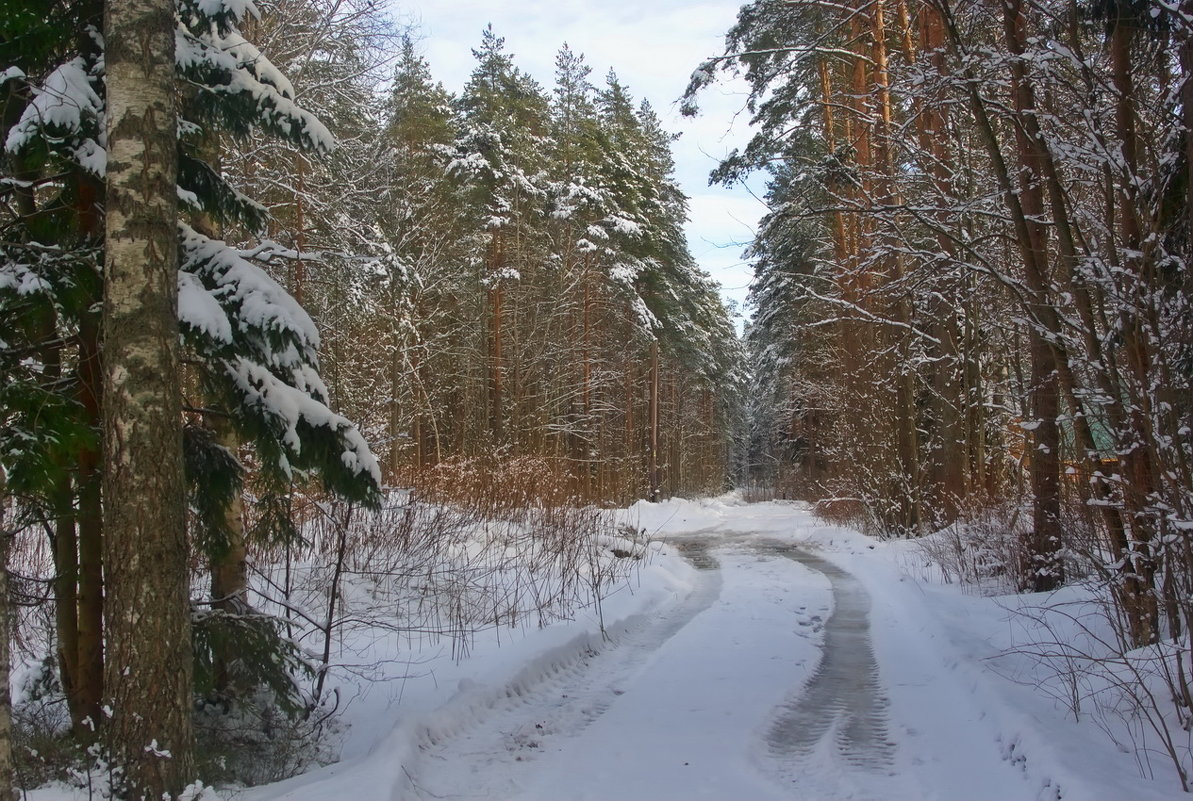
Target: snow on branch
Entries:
(864, 314)
(291, 409)
(228, 9)
(19, 278)
(264, 314)
(227, 64)
(65, 107)
(258, 338)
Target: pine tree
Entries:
(426, 227)
(821, 98)
(504, 125)
(979, 219)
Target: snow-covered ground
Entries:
(756, 654)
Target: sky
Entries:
(653, 46)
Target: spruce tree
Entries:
(251, 347)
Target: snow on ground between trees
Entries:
(677, 700)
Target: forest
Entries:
(991, 207)
(301, 351)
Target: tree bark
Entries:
(89, 681)
(497, 356)
(395, 411)
(654, 422)
(1138, 433)
(886, 195)
(1041, 569)
(65, 546)
(950, 485)
(7, 792)
(148, 669)
(229, 572)
(1186, 62)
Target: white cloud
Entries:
(720, 227)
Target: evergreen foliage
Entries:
(561, 229)
(482, 277)
(251, 350)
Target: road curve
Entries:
(843, 699)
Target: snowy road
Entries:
(839, 717)
(759, 654)
(761, 683)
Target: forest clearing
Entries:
(370, 430)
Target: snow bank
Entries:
(434, 697)
(961, 685)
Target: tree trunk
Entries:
(887, 196)
(1186, 94)
(417, 433)
(827, 101)
(498, 366)
(675, 474)
(950, 468)
(7, 792)
(89, 681)
(980, 474)
(65, 546)
(300, 278)
(229, 572)
(148, 666)
(654, 422)
(1042, 568)
(395, 416)
(497, 355)
(1140, 473)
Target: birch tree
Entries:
(147, 677)
(252, 349)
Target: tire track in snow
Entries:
(557, 700)
(841, 713)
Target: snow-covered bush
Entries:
(1081, 645)
(259, 741)
(981, 548)
(358, 588)
(423, 569)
